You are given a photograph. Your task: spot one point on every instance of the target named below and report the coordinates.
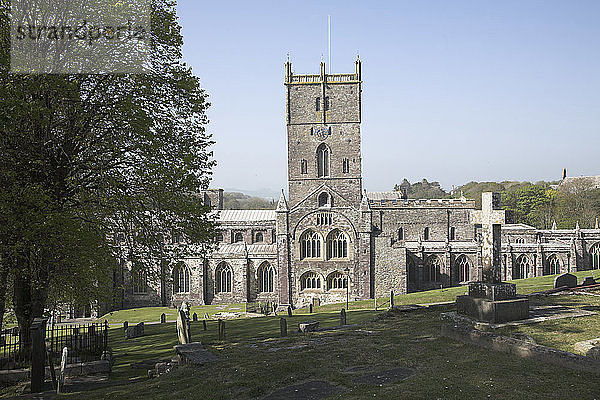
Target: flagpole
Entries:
(329, 40)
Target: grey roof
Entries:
(245, 215)
(257, 249)
(241, 248)
(518, 226)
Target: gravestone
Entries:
(203, 324)
(163, 318)
(125, 325)
(283, 326)
(565, 280)
(343, 317)
(63, 366)
(38, 354)
(289, 310)
(135, 331)
(183, 326)
(491, 300)
(195, 317)
(221, 330)
(308, 326)
(310, 308)
(588, 280)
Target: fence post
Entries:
(105, 334)
(343, 317)
(391, 299)
(63, 365)
(38, 354)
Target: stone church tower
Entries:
(323, 115)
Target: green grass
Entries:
(152, 314)
(254, 361)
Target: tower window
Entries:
(452, 233)
(326, 103)
(323, 161)
(324, 200)
(303, 167)
(318, 104)
(426, 234)
(346, 166)
(400, 233)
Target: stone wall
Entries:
(389, 267)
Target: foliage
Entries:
(241, 201)
(421, 190)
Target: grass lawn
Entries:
(152, 314)
(254, 361)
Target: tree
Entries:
(85, 157)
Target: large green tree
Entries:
(84, 157)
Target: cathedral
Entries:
(331, 238)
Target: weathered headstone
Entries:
(289, 310)
(125, 325)
(203, 324)
(63, 366)
(343, 317)
(135, 331)
(490, 299)
(38, 354)
(565, 280)
(283, 326)
(195, 317)
(588, 280)
(308, 326)
(221, 330)
(163, 318)
(310, 308)
(183, 327)
(206, 316)
(391, 299)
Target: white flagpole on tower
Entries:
(329, 40)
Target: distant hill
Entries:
(241, 201)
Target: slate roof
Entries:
(245, 215)
(241, 248)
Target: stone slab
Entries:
(565, 280)
(586, 345)
(308, 326)
(134, 331)
(194, 353)
(588, 280)
(311, 390)
(493, 291)
(493, 311)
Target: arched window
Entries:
(310, 280)
(139, 281)
(520, 240)
(337, 244)
(400, 233)
(219, 237)
(223, 278)
(303, 167)
(324, 200)
(336, 280)
(310, 245)
(595, 252)
(452, 233)
(323, 160)
(238, 237)
(181, 279)
(432, 269)
(346, 166)
(464, 268)
(521, 267)
(426, 234)
(552, 265)
(259, 237)
(266, 278)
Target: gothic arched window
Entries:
(310, 280)
(552, 265)
(266, 278)
(432, 269)
(238, 237)
(323, 160)
(337, 244)
(310, 245)
(336, 280)
(520, 240)
(521, 267)
(223, 278)
(181, 279)
(259, 237)
(325, 200)
(595, 252)
(464, 268)
(140, 281)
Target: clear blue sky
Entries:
(453, 90)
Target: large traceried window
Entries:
(139, 281)
(223, 278)
(266, 278)
(337, 244)
(464, 268)
(181, 279)
(310, 245)
(552, 265)
(336, 280)
(432, 269)
(521, 267)
(323, 160)
(310, 280)
(595, 252)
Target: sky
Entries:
(453, 91)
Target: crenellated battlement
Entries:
(323, 77)
(394, 200)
